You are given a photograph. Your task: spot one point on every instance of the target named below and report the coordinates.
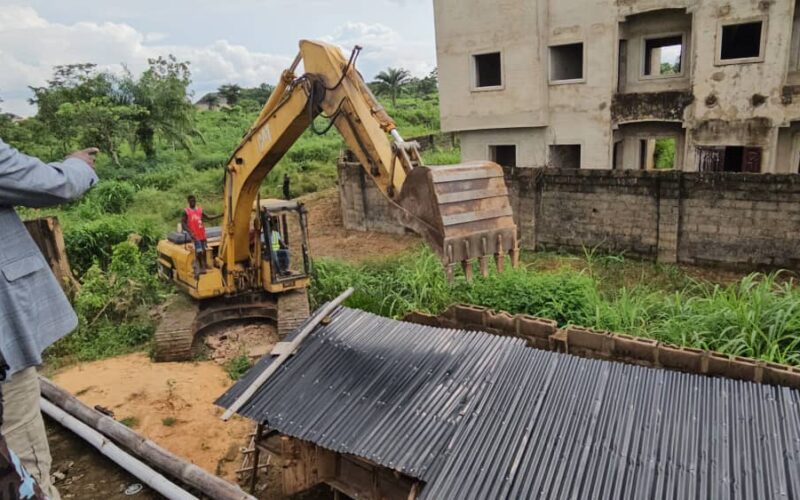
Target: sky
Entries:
(227, 41)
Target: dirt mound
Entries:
(253, 341)
(170, 403)
(328, 237)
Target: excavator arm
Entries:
(462, 211)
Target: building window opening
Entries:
(488, 70)
(729, 159)
(504, 155)
(741, 41)
(662, 56)
(657, 153)
(566, 62)
(566, 156)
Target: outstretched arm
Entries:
(28, 181)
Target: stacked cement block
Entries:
(584, 342)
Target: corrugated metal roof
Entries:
(480, 416)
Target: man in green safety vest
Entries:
(279, 248)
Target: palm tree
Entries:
(392, 82)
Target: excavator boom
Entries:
(462, 211)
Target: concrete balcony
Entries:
(650, 106)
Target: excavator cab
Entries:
(282, 230)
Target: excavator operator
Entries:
(279, 248)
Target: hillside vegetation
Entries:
(157, 149)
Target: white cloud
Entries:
(384, 47)
(30, 46)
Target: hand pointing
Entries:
(88, 155)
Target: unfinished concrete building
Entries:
(626, 84)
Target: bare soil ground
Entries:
(328, 238)
(170, 403)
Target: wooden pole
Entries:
(256, 456)
(136, 467)
(143, 448)
(293, 345)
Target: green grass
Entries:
(757, 316)
(131, 422)
(238, 366)
(169, 421)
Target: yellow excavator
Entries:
(462, 211)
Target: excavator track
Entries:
(293, 310)
(181, 325)
(175, 334)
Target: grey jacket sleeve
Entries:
(28, 181)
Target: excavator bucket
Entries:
(465, 213)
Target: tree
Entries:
(259, 94)
(425, 86)
(161, 93)
(5, 122)
(71, 83)
(231, 93)
(101, 122)
(391, 81)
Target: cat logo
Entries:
(264, 137)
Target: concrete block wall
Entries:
(746, 221)
(734, 220)
(740, 218)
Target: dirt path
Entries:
(329, 238)
(170, 403)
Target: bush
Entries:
(112, 197)
(442, 157)
(313, 150)
(94, 240)
(112, 307)
(211, 161)
(238, 366)
(757, 317)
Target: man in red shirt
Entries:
(193, 223)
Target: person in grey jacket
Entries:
(34, 312)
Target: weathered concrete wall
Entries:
(531, 144)
(469, 27)
(364, 208)
(741, 103)
(733, 220)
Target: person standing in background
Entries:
(287, 192)
(34, 312)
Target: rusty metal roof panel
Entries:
(480, 416)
